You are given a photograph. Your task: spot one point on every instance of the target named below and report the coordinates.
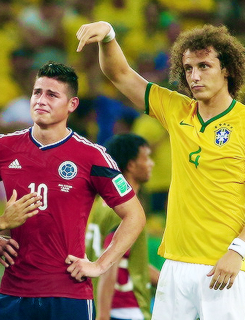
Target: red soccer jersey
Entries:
(68, 175)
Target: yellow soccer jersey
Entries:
(206, 208)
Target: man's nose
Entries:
(195, 75)
(41, 99)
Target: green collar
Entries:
(205, 124)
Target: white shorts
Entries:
(183, 293)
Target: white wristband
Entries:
(110, 35)
(238, 245)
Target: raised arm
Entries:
(113, 62)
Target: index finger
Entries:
(80, 37)
(213, 281)
(90, 33)
(70, 258)
(14, 243)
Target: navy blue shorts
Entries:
(17, 308)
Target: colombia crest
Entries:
(67, 170)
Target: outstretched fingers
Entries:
(29, 203)
(17, 212)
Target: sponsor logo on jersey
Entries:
(67, 170)
(182, 123)
(222, 136)
(121, 185)
(15, 164)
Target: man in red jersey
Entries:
(50, 277)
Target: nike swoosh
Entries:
(182, 123)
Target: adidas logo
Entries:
(15, 165)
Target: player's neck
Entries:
(49, 136)
(213, 107)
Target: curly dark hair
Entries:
(231, 54)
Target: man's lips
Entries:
(196, 87)
(40, 110)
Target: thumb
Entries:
(211, 272)
(13, 198)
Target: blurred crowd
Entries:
(33, 32)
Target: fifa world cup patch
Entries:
(121, 185)
(222, 136)
(67, 170)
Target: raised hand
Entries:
(92, 32)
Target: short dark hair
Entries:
(62, 73)
(125, 147)
(230, 51)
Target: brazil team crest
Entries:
(67, 170)
(222, 136)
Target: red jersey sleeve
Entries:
(111, 185)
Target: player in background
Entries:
(50, 277)
(204, 239)
(124, 291)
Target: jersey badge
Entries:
(121, 185)
(67, 170)
(222, 136)
(65, 187)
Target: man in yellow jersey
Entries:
(204, 240)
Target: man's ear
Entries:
(225, 71)
(73, 104)
(130, 165)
